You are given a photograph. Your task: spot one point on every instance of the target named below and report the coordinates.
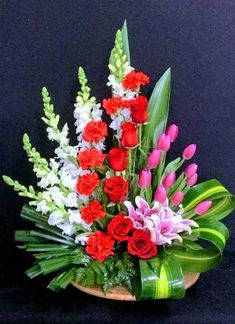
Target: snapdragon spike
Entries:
(160, 195)
(203, 207)
(169, 180)
(191, 170)
(189, 151)
(177, 198)
(164, 143)
(172, 131)
(154, 159)
(145, 178)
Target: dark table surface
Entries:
(43, 43)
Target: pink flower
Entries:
(189, 151)
(203, 207)
(145, 178)
(160, 194)
(192, 180)
(177, 198)
(164, 142)
(191, 170)
(172, 131)
(154, 159)
(169, 180)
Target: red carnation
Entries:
(141, 245)
(116, 189)
(87, 183)
(120, 227)
(139, 112)
(94, 210)
(129, 134)
(112, 105)
(118, 158)
(90, 158)
(95, 131)
(134, 80)
(99, 245)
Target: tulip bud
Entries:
(154, 159)
(177, 198)
(203, 207)
(145, 178)
(169, 180)
(191, 170)
(192, 180)
(172, 131)
(160, 194)
(189, 151)
(164, 142)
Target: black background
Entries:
(43, 43)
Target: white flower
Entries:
(56, 195)
(55, 218)
(42, 207)
(50, 179)
(81, 239)
(68, 229)
(75, 217)
(71, 200)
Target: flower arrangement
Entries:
(122, 215)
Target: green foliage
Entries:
(51, 119)
(84, 96)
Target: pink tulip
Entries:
(145, 178)
(160, 194)
(177, 198)
(189, 151)
(164, 142)
(203, 207)
(192, 180)
(172, 131)
(154, 159)
(191, 170)
(169, 180)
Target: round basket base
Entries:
(121, 293)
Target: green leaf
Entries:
(196, 261)
(34, 271)
(126, 41)
(212, 190)
(62, 280)
(173, 166)
(158, 111)
(161, 279)
(213, 231)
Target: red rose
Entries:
(94, 210)
(87, 183)
(134, 80)
(99, 245)
(139, 110)
(116, 189)
(120, 227)
(141, 245)
(95, 131)
(118, 158)
(129, 134)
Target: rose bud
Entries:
(160, 194)
(129, 134)
(169, 180)
(145, 178)
(118, 158)
(139, 112)
(172, 131)
(177, 198)
(164, 142)
(191, 170)
(154, 159)
(192, 180)
(203, 207)
(189, 151)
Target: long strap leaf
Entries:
(161, 278)
(126, 41)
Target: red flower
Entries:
(94, 210)
(134, 80)
(87, 183)
(120, 227)
(118, 158)
(90, 158)
(95, 131)
(139, 110)
(141, 245)
(129, 134)
(99, 245)
(116, 189)
(112, 105)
